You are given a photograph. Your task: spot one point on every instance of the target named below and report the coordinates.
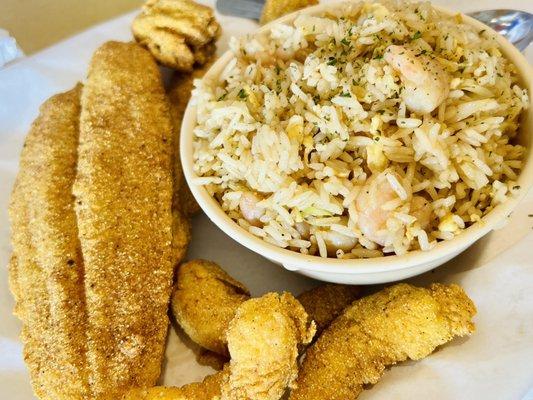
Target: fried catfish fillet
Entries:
(273, 9)
(324, 303)
(263, 341)
(46, 269)
(206, 298)
(179, 33)
(123, 192)
(398, 323)
(204, 301)
(179, 94)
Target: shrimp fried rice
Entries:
(376, 129)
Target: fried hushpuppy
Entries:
(123, 192)
(263, 341)
(398, 323)
(273, 9)
(204, 301)
(46, 269)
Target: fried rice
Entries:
(375, 129)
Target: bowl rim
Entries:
(293, 260)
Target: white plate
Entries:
(497, 272)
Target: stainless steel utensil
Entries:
(516, 26)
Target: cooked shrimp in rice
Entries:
(426, 83)
(374, 129)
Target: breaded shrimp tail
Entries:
(398, 323)
(46, 269)
(123, 193)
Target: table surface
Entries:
(37, 24)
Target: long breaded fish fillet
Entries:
(123, 195)
(398, 323)
(46, 270)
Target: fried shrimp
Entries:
(263, 340)
(204, 302)
(206, 298)
(425, 81)
(398, 323)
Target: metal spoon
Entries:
(516, 26)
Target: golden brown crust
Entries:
(123, 192)
(211, 359)
(398, 323)
(204, 302)
(273, 9)
(263, 340)
(179, 94)
(208, 389)
(326, 302)
(179, 33)
(46, 270)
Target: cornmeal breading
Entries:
(46, 269)
(179, 33)
(263, 341)
(208, 389)
(398, 323)
(204, 302)
(179, 95)
(324, 303)
(123, 193)
(273, 9)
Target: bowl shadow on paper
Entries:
(253, 270)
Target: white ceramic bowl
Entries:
(373, 270)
